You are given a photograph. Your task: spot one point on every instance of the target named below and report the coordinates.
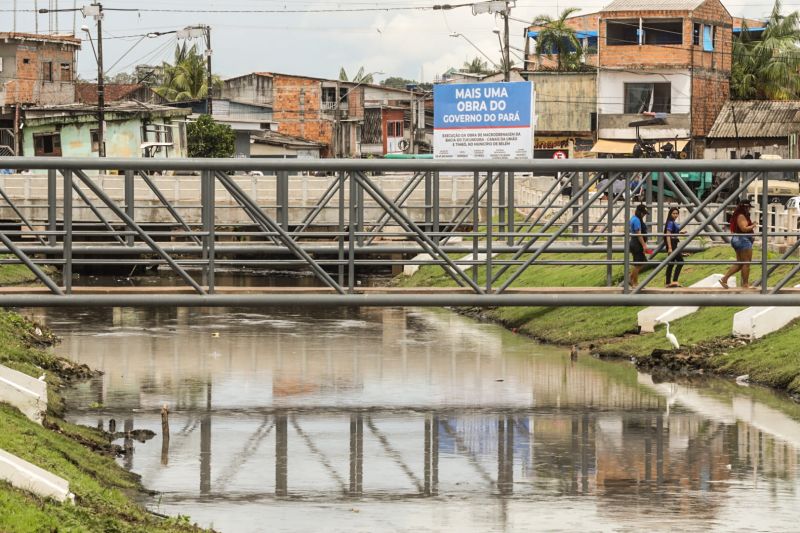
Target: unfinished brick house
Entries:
(35, 70)
(349, 119)
(654, 58)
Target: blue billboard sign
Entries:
(483, 120)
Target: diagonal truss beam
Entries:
(166, 203)
(685, 242)
(22, 218)
(270, 226)
(320, 455)
(551, 222)
(418, 235)
(394, 454)
(326, 197)
(561, 183)
(693, 199)
(672, 184)
(553, 237)
(97, 191)
(406, 192)
(97, 213)
(464, 212)
(38, 272)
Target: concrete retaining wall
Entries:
(755, 322)
(29, 193)
(26, 476)
(27, 394)
(648, 318)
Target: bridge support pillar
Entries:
(129, 201)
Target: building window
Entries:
(696, 30)
(371, 132)
(66, 72)
(648, 97)
(45, 144)
(394, 128)
(94, 135)
(653, 32)
(708, 38)
(47, 71)
(329, 98)
(591, 45)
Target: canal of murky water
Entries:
(420, 420)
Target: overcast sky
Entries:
(393, 36)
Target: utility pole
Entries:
(336, 123)
(210, 81)
(506, 46)
(93, 10)
(101, 86)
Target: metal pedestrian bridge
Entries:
(481, 224)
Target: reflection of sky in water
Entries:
(392, 419)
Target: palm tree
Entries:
(768, 69)
(557, 38)
(476, 66)
(187, 78)
(360, 76)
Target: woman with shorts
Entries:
(742, 229)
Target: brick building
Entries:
(348, 119)
(34, 70)
(653, 58)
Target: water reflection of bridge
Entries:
(681, 460)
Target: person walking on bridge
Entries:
(671, 230)
(742, 242)
(638, 243)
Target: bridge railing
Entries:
(482, 224)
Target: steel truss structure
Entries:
(501, 236)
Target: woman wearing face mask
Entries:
(671, 231)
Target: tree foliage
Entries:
(208, 138)
(187, 77)
(360, 77)
(557, 40)
(769, 68)
(476, 66)
(121, 77)
(398, 82)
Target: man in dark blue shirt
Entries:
(638, 244)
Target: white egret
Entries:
(673, 340)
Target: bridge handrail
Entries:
(384, 165)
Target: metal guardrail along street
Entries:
(480, 222)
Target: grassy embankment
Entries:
(773, 360)
(104, 491)
(16, 274)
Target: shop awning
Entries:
(616, 146)
(609, 146)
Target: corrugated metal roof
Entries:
(757, 119)
(650, 5)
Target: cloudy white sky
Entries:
(398, 37)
